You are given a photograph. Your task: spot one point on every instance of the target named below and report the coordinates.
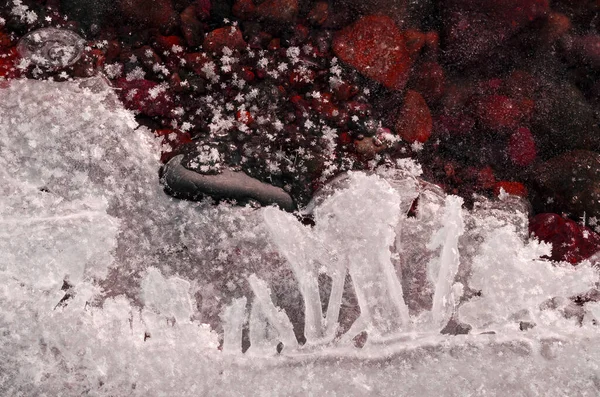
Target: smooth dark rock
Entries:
(183, 183)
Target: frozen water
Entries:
(110, 287)
(51, 48)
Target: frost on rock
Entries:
(110, 287)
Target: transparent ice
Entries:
(110, 287)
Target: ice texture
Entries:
(51, 48)
(110, 287)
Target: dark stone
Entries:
(568, 183)
(564, 120)
(183, 183)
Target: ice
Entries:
(443, 270)
(110, 287)
(168, 297)
(51, 48)
(515, 282)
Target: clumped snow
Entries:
(110, 287)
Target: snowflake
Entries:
(263, 62)
(136, 74)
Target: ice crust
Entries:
(110, 287)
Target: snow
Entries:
(110, 287)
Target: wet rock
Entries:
(277, 10)
(396, 9)
(376, 48)
(191, 27)
(585, 49)
(87, 13)
(145, 97)
(473, 29)
(229, 36)
(499, 112)
(244, 9)
(319, 13)
(203, 8)
(430, 81)
(521, 147)
(152, 13)
(568, 183)
(172, 141)
(232, 185)
(414, 123)
(563, 120)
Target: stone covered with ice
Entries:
(109, 287)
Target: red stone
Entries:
(196, 61)
(247, 74)
(172, 140)
(588, 49)
(414, 123)
(454, 124)
(228, 36)
(299, 80)
(274, 44)
(414, 41)
(345, 138)
(113, 50)
(486, 178)
(5, 41)
(557, 25)
(376, 48)
(498, 112)
(243, 116)
(166, 43)
(344, 91)
(521, 147)
(243, 9)
(570, 241)
(8, 60)
(514, 188)
(136, 95)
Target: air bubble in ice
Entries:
(51, 48)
